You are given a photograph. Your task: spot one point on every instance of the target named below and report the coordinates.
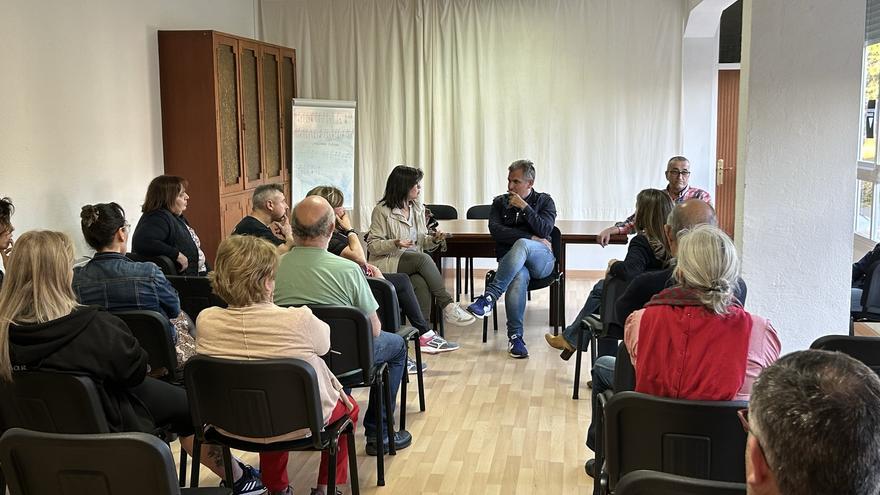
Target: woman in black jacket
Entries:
(163, 230)
(43, 328)
(647, 251)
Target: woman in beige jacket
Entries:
(398, 240)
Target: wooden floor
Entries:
(493, 424)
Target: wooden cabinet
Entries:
(226, 104)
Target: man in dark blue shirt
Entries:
(268, 219)
(521, 223)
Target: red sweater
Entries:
(688, 352)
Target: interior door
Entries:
(725, 160)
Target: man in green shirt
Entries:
(309, 274)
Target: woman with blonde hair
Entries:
(253, 327)
(43, 328)
(345, 242)
(648, 250)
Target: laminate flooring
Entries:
(493, 424)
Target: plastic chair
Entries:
(478, 212)
(697, 439)
(56, 402)
(448, 212)
(110, 463)
(152, 331)
(166, 264)
(605, 326)
(389, 315)
(351, 360)
(644, 482)
(261, 399)
(195, 294)
(556, 282)
(864, 349)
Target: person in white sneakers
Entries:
(399, 237)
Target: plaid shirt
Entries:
(628, 226)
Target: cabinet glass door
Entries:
(272, 151)
(250, 113)
(226, 60)
(288, 93)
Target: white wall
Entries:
(79, 99)
(699, 120)
(796, 180)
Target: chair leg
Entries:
(331, 467)
(403, 385)
(352, 463)
(196, 462)
(182, 475)
(467, 288)
(227, 466)
(485, 329)
(389, 414)
(577, 364)
(495, 318)
(420, 377)
(376, 394)
(457, 279)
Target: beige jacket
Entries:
(388, 225)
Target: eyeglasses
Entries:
(744, 419)
(125, 226)
(676, 173)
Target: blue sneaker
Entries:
(517, 348)
(482, 306)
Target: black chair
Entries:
(644, 482)
(56, 402)
(110, 463)
(166, 264)
(351, 360)
(262, 399)
(605, 326)
(389, 315)
(195, 294)
(151, 329)
(864, 349)
(556, 282)
(697, 439)
(478, 212)
(448, 212)
(870, 300)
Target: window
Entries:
(867, 219)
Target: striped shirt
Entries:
(628, 226)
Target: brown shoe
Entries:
(559, 342)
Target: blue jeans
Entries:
(856, 300)
(605, 347)
(603, 379)
(387, 348)
(527, 259)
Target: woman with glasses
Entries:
(164, 231)
(116, 283)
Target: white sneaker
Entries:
(436, 344)
(455, 315)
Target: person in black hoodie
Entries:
(163, 230)
(43, 328)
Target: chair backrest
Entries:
(613, 288)
(254, 398)
(164, 263)
(153, 332)
(105, 464)
(195, 294)
(870, 300)
(698, 439)
(645, 482)
(479, 212)
(351, 343)
(624, 373)
(865, 349)
(389, 306)
(52, 402)
(443, 212)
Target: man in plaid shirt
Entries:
(677, 173)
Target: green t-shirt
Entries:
(311, 275)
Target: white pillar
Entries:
(799, 125)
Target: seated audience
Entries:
(694, 340)
(345, 242)
(164, 231)
(521, 223)
(678, 173)
(399, 237)
(116, 283)
(43, 328)
(309, 274)
(648, 250)
(268, 219)
(6, 230)
(814, 427)
(255, 328)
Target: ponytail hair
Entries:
(707, 262)
(100, 223)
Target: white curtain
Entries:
(590, 90)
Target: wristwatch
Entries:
(349, 232)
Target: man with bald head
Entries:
(309, 274)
